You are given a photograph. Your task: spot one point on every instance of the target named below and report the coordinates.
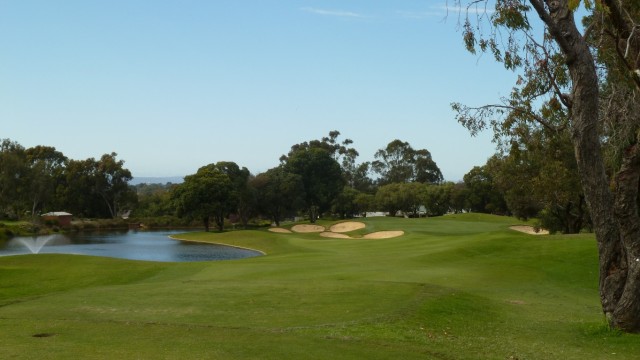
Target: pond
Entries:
(132, 244)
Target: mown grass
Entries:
(456, 287)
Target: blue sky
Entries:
(174, 85)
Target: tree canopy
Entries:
(280, 193)
(321, 177)
(316, 178)
(398, 162)
(207, 193)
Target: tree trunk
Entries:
(111, 208)
(313, 214)
(205, 222)
(626, 315)
(34, 206)
(219, 219)
(618, 283)
(579, 220)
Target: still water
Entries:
(134, 245)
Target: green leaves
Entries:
(512, 14)
(573, 4)
(400, 163)
(469, 37)
(588, 4)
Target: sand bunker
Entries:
(337, 230)
(347, 226)
(334, 235)
(308, 228)
(280, 230)
(529, 230)
(384, 234)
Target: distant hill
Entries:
(157, 180)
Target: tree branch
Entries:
(526, 112)
(551, 24)
(564, 98)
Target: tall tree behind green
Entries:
(279, 193)
(112, 183)
(482, 192)
(243, 195)
(46, 171)
(345, 205)
(398, 162)
(207, 193)
(13, 171)
(154, 200)
(77, 192)
(321, 176)
(405, 197)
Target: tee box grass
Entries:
(454, 287)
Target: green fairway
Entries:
(455, 287)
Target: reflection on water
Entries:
(134, 245)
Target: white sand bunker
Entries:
(334, 235)
(529, 230)
(308, 228)
(347, 226)
(280, 230)
(384, 234)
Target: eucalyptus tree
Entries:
(365, 202)
(154, 200)
(438, 199)
(321, 176)
(243, 194)
(555, 184)
(112, 183)
(317, 162)
(77, 192)
(398, 162)
(356, 175)
(46, 169)
(482, 191)
(13, 170)
(388, 198)
(346, 205)
(207, 193)
(404, 197)
(279, 193)
(558, 71)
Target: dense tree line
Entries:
(533, 179)
(42, 179)
(315, 178)
(527, 179)
(536, 178)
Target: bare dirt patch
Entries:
(334, 235)
(384, 234)
(308, 228)
(280, 230)
(347, 226)
(529, 230)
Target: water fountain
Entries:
(36, 244)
